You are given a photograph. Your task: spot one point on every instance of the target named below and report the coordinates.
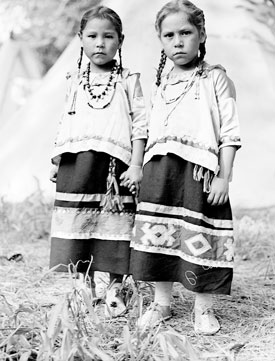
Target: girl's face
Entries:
(100, 42)
(180, 40)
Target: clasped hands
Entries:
(131, 179)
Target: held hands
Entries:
(132, 178)
(219, 191)
(53, 173)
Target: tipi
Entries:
(233, 41)
(20, 74)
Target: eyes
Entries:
(170, 35)
(105, 36)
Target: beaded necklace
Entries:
(189, 83)
(103, 99)
(176, 100)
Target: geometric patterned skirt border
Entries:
(179, 237)
(81, 227)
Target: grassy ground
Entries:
(49, 316)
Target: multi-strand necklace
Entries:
(176, 100)
(103, 99)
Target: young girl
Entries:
(100, 143)
(183, 227)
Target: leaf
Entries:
(184, 345)
(25, 356)
(66, 345)
(94, 350)
(156, 358)
(24, 342)
(65, 317)
(46, 343)
(163, 345)
(127, 341)
(57, 331)
(18, 330)
(88, 303)
(55, 314)
(6, 308)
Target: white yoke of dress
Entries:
(197, 125)
(110, 130)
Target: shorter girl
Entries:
(100, 142)
(184, 229)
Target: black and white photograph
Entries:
(137, 184)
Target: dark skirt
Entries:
(84, 225)
(179, 237)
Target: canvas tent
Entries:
(233, 41)
(28, 137)
(20, 73)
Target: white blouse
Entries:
(111, 129)
(194, 117)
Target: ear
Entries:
(79, 35)
(121, 41)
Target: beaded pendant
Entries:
(100, 100)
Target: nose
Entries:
(178, 41)
(100, 42)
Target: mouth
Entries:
(179, 53)
(99, 53)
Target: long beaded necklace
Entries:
(103, 99)
(176, 100)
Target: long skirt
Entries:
(93, 215)
(179, 236)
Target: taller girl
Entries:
(100, 142)
(184, 229)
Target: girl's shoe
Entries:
(114, 303)
(154, 316)
(206, 322)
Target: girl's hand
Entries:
(132, 178)
(53, 173)
(219, 191)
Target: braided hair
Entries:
(120, 61)
(195, 17)
(103, 12)
(79, 61)
(162, 63)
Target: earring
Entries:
(79, 62)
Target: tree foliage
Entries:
(263, 11)
(47, 25)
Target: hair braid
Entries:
(79, 61)
(162, 63)
(202, 50)
(120, 61)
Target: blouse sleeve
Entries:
(137, 107)
(229, 120)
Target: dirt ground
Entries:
(28, 291)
